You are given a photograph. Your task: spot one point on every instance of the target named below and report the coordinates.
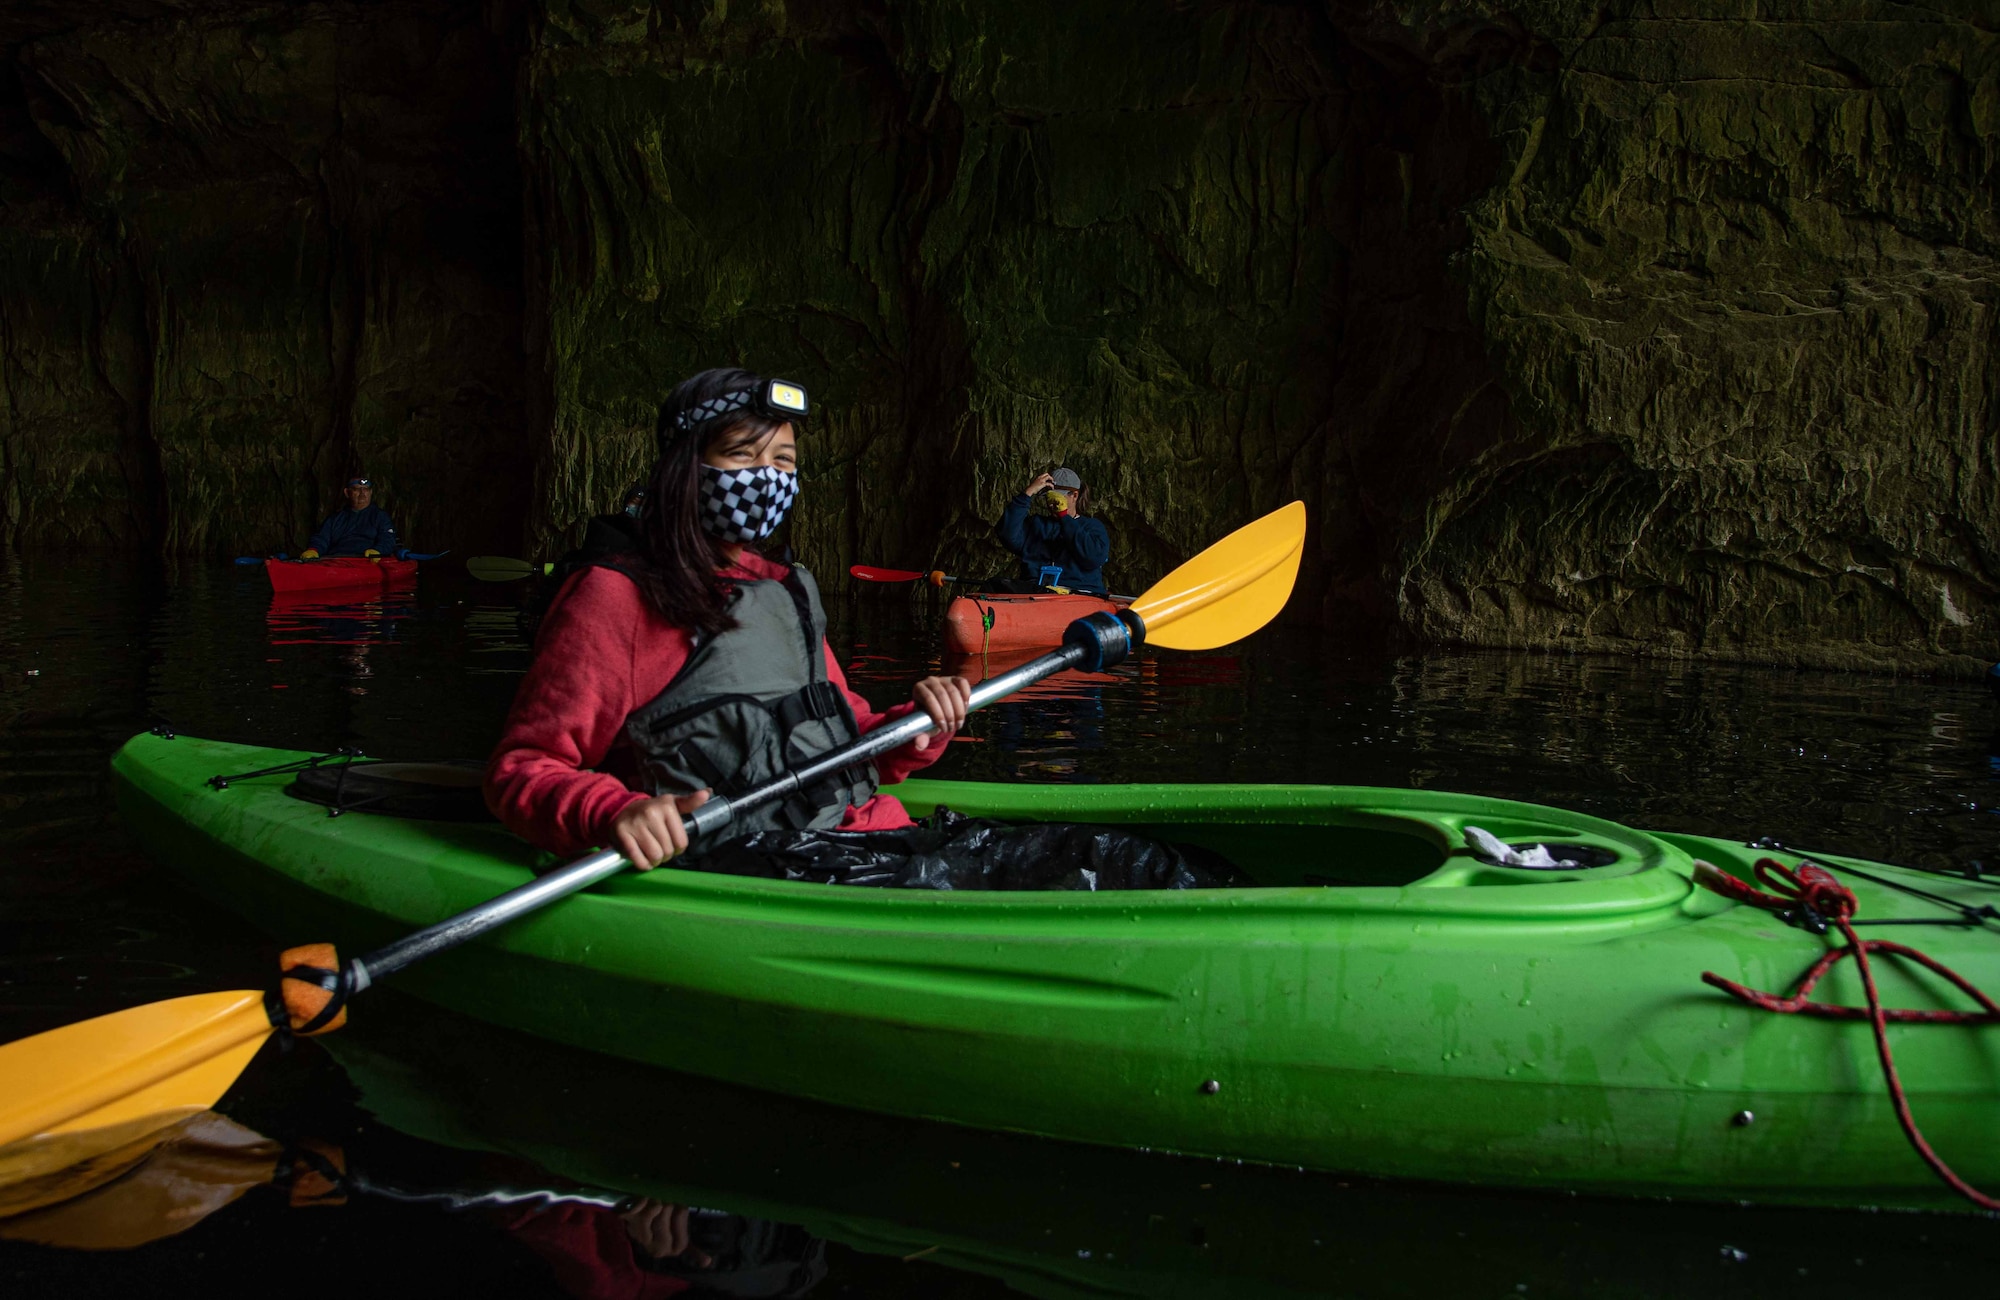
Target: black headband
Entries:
(775, 399)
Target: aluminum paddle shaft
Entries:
(1095, 642)
(718, 813)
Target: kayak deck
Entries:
(1000, 623)
(1386, 1003)
(337, 571)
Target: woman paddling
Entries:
(691, 664)
(1062, 549)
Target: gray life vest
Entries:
(751, 703)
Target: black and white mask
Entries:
(746, 505)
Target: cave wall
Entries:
(1661, 327)
(988, 238)
(247, 250)
(1737, 274)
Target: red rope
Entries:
(1813, 889)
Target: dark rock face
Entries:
(1739, 279)
(247, 250)
(994, 238)
(1658, 329)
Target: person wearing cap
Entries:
(1063, 548)
(690, 664)
(361, 529)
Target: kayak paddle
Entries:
(153, 1064)
(499, 568)
(869, 573)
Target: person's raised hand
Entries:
(1040, 482)
(948, 700)
(650, 832)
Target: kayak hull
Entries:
(338, 571)
(1001, 623)
(1061, 1221)
(1438, 1025)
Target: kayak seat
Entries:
(439, 792)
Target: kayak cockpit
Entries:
(1328, 836)
(1277, 836)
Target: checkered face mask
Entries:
(746, 505)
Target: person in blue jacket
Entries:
(1062, 549)
(361, 529)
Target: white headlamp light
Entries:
(776, 399)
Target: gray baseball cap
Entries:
(1066, 479)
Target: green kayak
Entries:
(1387, 1003)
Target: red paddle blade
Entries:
(869, 573)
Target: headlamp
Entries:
(775, 399)
(361, 482)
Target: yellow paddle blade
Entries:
(499, 568)
(1229, 590)
(166, 1059)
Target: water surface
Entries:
(93, 649)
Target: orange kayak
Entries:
(982, 624)
(340, 571)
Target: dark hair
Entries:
(680, 574)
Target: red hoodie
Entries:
(590, 1253)
(603, 652)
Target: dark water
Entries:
(92, 650)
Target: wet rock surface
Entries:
(246, 250)
(1649, 327)
(1739, 281)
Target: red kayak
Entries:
(983, 624)
(338, 571)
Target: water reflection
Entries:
(615, 1176)
(360, 621)
(596, 1242)
(130, 1193)
(1054, 725)
(337, 618)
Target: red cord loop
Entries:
(1812, 897)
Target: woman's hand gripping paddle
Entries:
(154, 1064)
